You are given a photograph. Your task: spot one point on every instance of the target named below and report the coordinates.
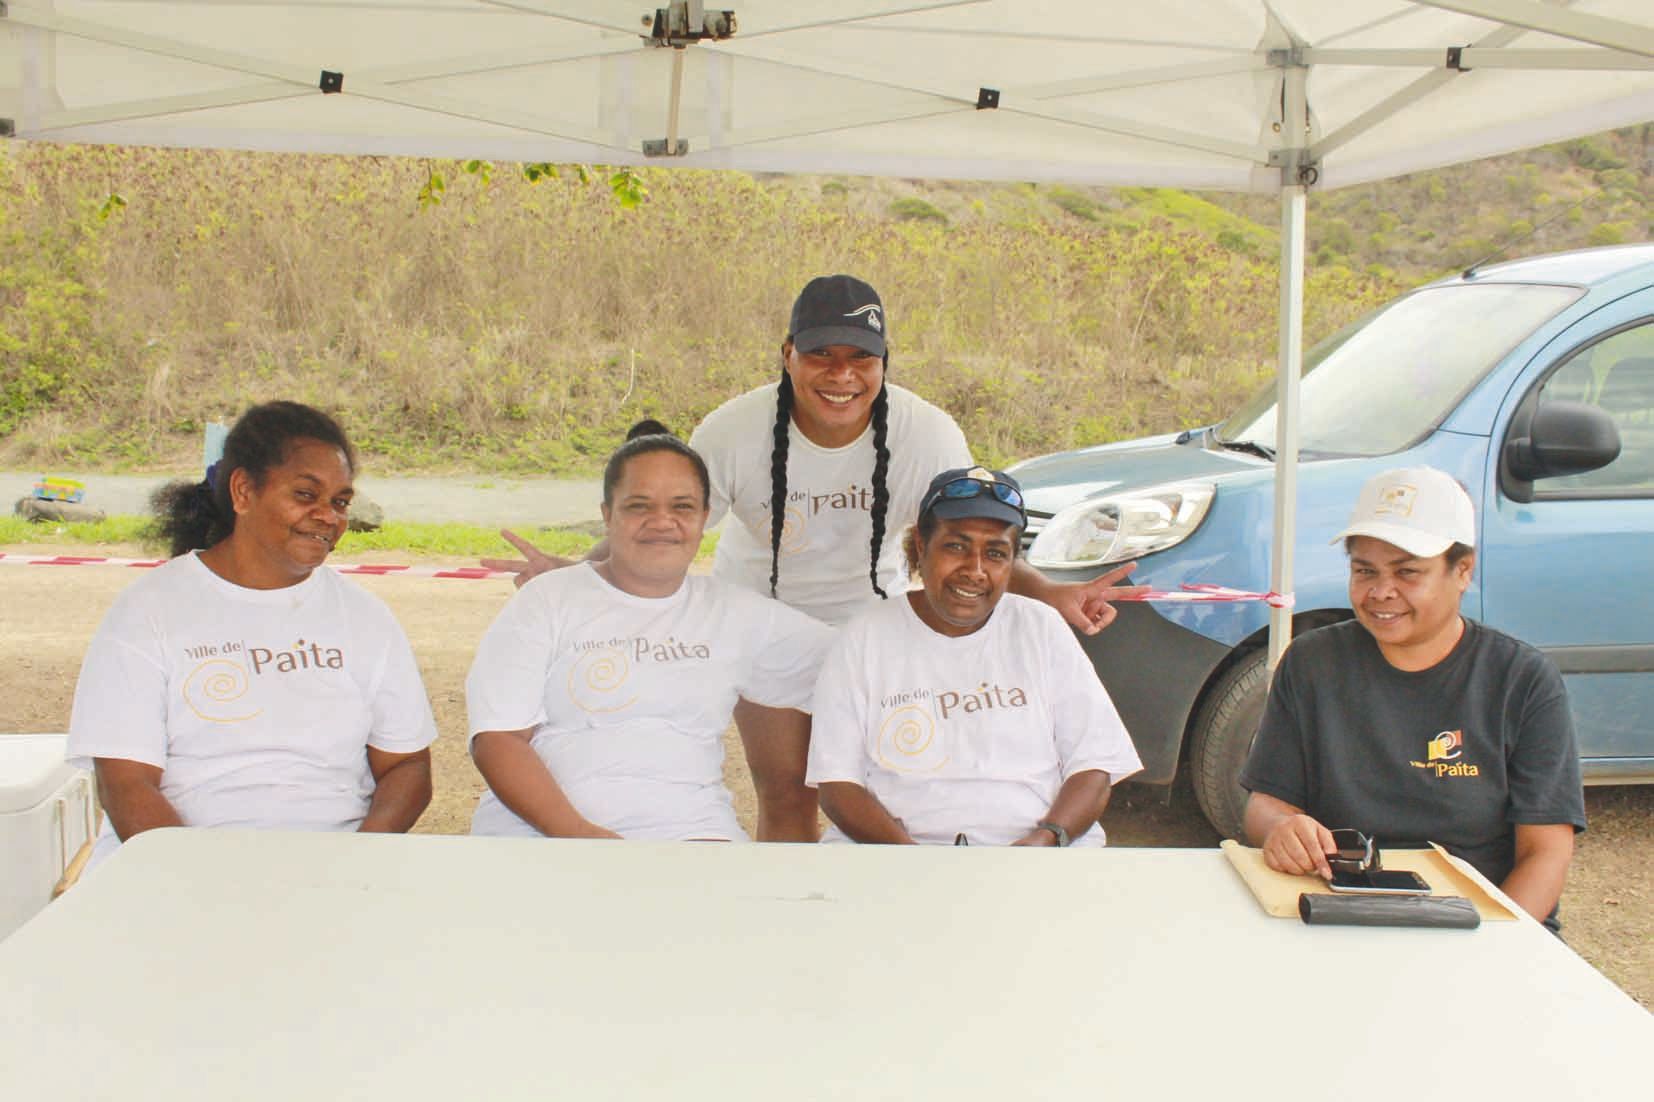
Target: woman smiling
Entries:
(599, 697)
(243, 684)
(964, 712)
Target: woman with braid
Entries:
(823, 470)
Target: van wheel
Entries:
(1224, 727)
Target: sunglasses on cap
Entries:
(968, 487)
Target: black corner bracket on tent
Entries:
(332, 83)
(688, 21)
(8, 128)
(987, 99)
(1454, 53)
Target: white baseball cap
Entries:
(1421, 510)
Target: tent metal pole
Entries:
(1296, 176)
(674, 102)
(1286, 413)
(1616, 34)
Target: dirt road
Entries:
(492, 502)
(47, 615)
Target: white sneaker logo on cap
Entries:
(1396, 501)
(872, 312)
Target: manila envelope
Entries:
(1277, 892)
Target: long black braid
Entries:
(778, 473)
(881, 492)
(778, 477)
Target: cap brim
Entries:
(983, 506)
(825, 336)
(1423, 545)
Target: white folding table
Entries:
(220, 965)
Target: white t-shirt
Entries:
(258, 705)
(971, 735)
(629, 696)
(827, 540)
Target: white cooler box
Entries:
(48, 819)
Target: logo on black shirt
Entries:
(1441, 756)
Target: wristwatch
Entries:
(1056, 829)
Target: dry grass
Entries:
(523, 326)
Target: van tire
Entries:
(1223, 731)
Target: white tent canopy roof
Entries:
(1185, 93)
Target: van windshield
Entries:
(1382, 383)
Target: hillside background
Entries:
(464, 317)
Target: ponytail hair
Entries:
(194, 516)
(189, 517)
(651, 436)
(648, 427)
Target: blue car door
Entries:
(1572, 571)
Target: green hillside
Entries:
(467, 317)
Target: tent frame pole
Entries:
(1293, 201)
(1294, 191)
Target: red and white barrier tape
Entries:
(1188, 594)
(378, 569)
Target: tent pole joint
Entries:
(1296, 168)
(331, 83)
(1291, 57)
(1455, 56)
(683, 22)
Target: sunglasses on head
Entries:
(967, 487)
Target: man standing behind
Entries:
(1412, 723)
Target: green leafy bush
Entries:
(911, 208)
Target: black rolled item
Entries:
(1439, 912)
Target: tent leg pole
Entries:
(1286, 415)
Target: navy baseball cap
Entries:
(975, 492)
(838, 309)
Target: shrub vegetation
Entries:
(519, 321)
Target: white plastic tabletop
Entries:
(217, 965)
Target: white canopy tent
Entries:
(1252, 95)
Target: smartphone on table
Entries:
(1378, 882)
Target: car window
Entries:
(1381, 384)
(1617, 375)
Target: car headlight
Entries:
(1123, 526)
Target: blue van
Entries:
(1532, 382)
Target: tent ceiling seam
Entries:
(1406, 97)
(1483, 57)
(1555, 20)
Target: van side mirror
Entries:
(1562, 438)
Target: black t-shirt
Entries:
(1456, 754)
